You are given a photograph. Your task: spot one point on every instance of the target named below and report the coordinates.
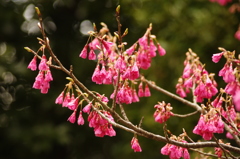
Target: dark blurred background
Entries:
(32, 126)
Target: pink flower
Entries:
(80, 120)
(227, 73)
(73, 104)
(33, 64)
(96, 77)
(134, 73)
(130, 50)
(161, 50)
(147, 92)
(180, 90)
(121, 64)
(135, 96)
(48, 76)
(152, 48)
(84, 51)
(217, 57)
(66, 100)
(140, 90)
(135, 145)
(59, 99)
(108, 77)
(124, 95)
(72, 117)
(187, 71)
(39, 80)
(43, 64)
(87, 108)
(143, 42)
(94, 44)
(92, 55)
(143, 60)
(45, 86)
(108, 46)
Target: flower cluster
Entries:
(230, 75)
(121, 67)
(42, 80)
(101, 125)
(163, 112)
(209, 123)
(195, 77)
(175, 152)
(221, 2)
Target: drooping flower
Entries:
(147, 92)
(135, 145)
(87, 108)
(134, 72)
(140, 90)
(92, 55)
(216, 57)
(84, 52)
(130, 50)
(80, 120)
(33, 64)
(43, 64)
(59, 99)
(161, 50)
(72, 117)
(96, 77)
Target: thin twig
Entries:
(184, 101)
(185, 115)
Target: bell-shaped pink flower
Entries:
(161, 50)
(147, 92)
(80, 120)
(140, 90)
(96, 77)
(59, 99)
(67, 99)
(152, 48)
(33, 64)
(72, 117)
(48, 76)
(130, 50)
(135, 145)
(87, 108)
(43, 64)
(84, 52)
(134, 73)
(92, 55)
(217, 57)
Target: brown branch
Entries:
(185, 115)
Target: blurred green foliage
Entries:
(32, 126)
